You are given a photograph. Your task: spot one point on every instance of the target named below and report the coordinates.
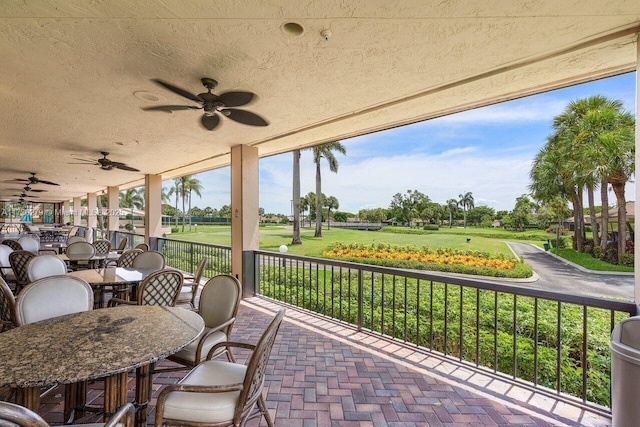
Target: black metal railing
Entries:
(552, 342)
(185, 256)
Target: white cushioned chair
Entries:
(218, 307)
(5, 267)
(220, 393)
(19, 416)
(74, 239)
(51, 297)
(45, 266)
(79, 254)
(149, 260)
(29, 243)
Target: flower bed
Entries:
(441, 259)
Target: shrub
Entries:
(559, 243)
(626, 259)
(433, 227)
(596, 252)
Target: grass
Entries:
(589, 262)
(482, 239)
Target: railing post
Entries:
(249, 279)
(360, 299)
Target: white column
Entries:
(244, 204)
(152, 206)
(113, 208)
(66, 212)
(92, 217)
(77, 211)
(637, 204)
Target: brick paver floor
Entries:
(323, 373)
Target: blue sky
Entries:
(487, 151)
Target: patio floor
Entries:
(323, 373)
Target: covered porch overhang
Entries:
(78, 77)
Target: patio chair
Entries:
(190, 286)
(19, 260)
(220, 393)
(122, 245)
(5, 267)
(7, 307)
(127, 257)
(218, 307)
(80, 254)
(149, 260)
(51, 297)
(102, 246)
(45, 266)
(158, 288)
(73, 239)
(29, 243)
(13, 244)
(19, 416)
(142, 246)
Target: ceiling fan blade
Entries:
(245, 117)
(171, 108)
(40, 181)
(210, 122)
(17, 180)
(236, 99)
(34, 190)
(124, 167)
(177, 90)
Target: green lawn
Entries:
(482, 239)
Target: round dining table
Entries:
(105, 343)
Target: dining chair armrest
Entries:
(117, 301)
(124, 416)
(229, 344)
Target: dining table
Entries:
(119, 279)
(105, 343)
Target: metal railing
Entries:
(552, 342)
(185, 256)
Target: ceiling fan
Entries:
(213, 104)
(28, 189)
(32, 180)
(105, 164)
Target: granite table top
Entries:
(93, 344)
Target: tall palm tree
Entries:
(304, 205)
(174, 191)
(131, 199)
(466, 201)
(193, 185)
(183, 191)
(296, 198)
(319, 151)
(452, 206)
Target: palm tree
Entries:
(175, 190)
(131, 198)
(331, 203)
(193, 185)
(319, 151)
(184, 193)
(304, 205)
(452, 206)
(466, 201)
(296, 198)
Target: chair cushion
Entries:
(189, 352)
(206, 407)
(185, 294)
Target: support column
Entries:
(152, 207)
(113, 209)
(66, 212)
(637, 205)
(244, 204)
(92, 217)
(77, 211)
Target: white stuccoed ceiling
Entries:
(75, 74)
